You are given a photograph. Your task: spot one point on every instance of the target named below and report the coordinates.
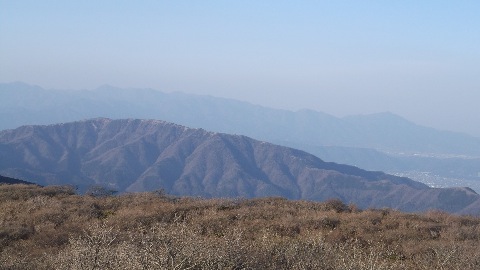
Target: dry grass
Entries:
(52, 228)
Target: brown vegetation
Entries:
(52, 228)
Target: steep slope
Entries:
(138, 155)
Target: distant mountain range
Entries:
(382, 141)
(141, 155)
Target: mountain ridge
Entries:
(218, 114)
(401, 146)
(139, 155)
(11, 181)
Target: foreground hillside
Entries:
(144, 155)
(52, 228)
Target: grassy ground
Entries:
(52, 228)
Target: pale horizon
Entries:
(419, 60)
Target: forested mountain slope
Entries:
(144, 155)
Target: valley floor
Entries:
(53, 228)
(437, 181)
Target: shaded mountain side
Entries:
(143, 155)
(9, 180)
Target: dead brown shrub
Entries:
(52, 228)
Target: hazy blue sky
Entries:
(419, 59)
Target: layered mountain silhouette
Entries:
(24, 104)
(382, 141)
(144, 155)
(9, 180)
